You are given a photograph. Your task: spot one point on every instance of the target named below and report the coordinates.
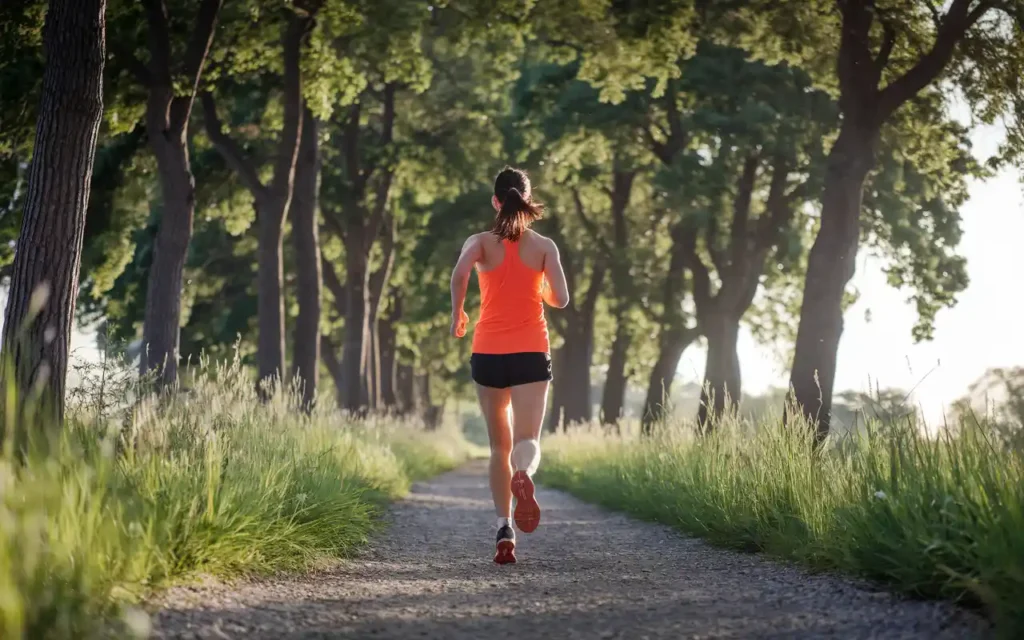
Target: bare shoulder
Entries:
(474, 240)
(543, 241)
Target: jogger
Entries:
(519, 270)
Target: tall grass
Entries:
(933, 517)
(207, 481)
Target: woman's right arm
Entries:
(471, 254)
(556, 291)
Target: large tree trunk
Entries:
(574, 377)
(44, 279)
(161, 326)
(270, 293)
(721, 390)
(830, 266)
(405, 389)
(305, 236)
(388, 374)
(273, 201)
(274, 209)
(613, 397)
(329, 354)
(353, 356)
(167, 120)
(671, 346)
(557, 391)
(378, 284)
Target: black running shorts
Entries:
(501, 371)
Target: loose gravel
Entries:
(585, 573)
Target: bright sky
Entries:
(983, 330)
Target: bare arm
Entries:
(472, 253)
(556, 291)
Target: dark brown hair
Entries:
(518, 210)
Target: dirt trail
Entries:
(585, 573)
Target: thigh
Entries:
(494, 404)
(528, 404)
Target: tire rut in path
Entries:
(585, 573)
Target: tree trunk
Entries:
(162, 323)
(305, 236)
(44, 278)
(575, 376)
(557, 390)
(830, 266)
(167, 118)
(329, 354)
(387, 376)
(353, 358)
(721, 390)
(405, 388)
(614, 395)
(270, 298)
(671, 346)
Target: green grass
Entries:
(938, 517)
(208, 482)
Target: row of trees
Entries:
(705, 165)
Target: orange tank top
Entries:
(511, 308)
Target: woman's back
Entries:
(512, 284)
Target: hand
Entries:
(460, 321)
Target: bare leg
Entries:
(495, 405)
(529, 401)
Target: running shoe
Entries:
(505, 552)
(527, 512)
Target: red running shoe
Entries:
(506, 546)
(527, 513)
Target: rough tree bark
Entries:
(272, 201)
(405, 389)
(570, 393)
(617, 255)
(358, 225)
(674, 335)
(308, 277)
(389, 355)
(44, 279)
(865, 107)
(378, 284)
(329, 354)
(167, 119)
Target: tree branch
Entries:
(195, 57)
(335, 286)
(885, 52)
(288, 143)
(589, 225)
(387, 135)
(957, 21)
(597, 274)
(333, 220)
(230, 150)
(159, 42)
(701, 276)
(741, 213)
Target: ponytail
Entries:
(516, 215)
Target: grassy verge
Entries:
(932, 517)
(209, 482)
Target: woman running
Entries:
(519, 270)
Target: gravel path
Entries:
(585, 573)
